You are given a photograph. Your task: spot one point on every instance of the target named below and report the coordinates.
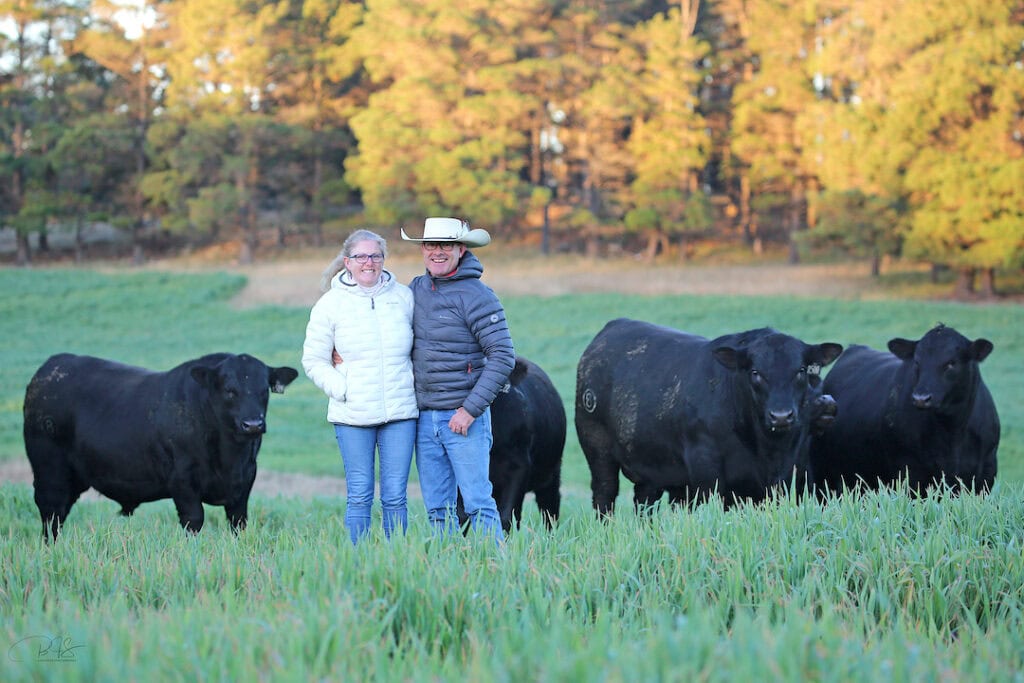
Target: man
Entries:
(462, 356)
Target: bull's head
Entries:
(781, 375)
(944, 366)
(239, 388)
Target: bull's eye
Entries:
(755, 376)
(231, 394)
(950, 365)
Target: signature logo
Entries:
(44, 649)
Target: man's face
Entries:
(441, 258)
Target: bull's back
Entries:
(90, 410)
(636, 358)
(69, 387)
(639, 387)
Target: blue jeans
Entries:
(450, 463)
(358, 446)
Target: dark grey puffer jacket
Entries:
(462, 350)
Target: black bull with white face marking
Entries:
(191, 433)
(678, 413)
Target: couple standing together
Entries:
(412, 365)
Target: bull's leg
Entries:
(190, 512)
(604, 485)
(509, 496)
(987, 475)
(604, 468)
(54, 495)
(238, 513)
(645, 496)
(54, 506)
(679, 497)
(516, 514)
(691, 496)
(549, 500)
(460, 512)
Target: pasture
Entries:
(856, 589)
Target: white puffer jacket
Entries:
(373, 334)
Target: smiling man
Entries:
(462, 356)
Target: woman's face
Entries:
(365, 262)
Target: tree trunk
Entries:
(988, 283)
(246, 250)
(24, 253)
(876, 264)
(796, 212)
(964, 287)
(654, 245)
(79, 240)
(746, 217)
(316, 213)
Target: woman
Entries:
(366, 315)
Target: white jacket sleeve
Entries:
(316, 355)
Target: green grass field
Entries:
(883, 587)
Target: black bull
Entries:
(528, 422)
(920, 411)
(680, 413)
(191, 434)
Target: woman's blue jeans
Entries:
(358, 446)
(449, 463)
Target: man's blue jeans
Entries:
(449, 463)
(358, 446)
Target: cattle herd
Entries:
(739, 416)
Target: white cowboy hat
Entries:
(450, 230)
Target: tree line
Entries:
(865, 127)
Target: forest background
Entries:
(863, 128)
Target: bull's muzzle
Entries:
(253, 427)
(780, 420)
(921, 400)
(823, 413)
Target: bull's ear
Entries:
(727, 356)
(282, 377)
(902, 348)
(204, 375)
(826, 353)
(980, 348)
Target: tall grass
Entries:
(856, 589)
(879, 587)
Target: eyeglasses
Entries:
(443, 246)
(362, 258)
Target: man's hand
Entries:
(336, 358)
(461, 421)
